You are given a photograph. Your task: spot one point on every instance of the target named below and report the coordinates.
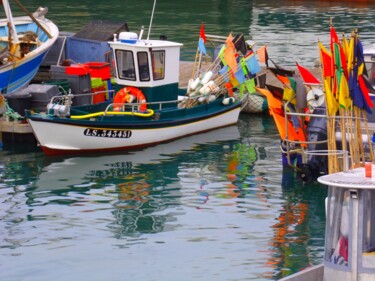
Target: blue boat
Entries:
(24, 42)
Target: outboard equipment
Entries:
(316, 164)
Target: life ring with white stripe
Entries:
(123, 96)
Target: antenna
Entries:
(152, 16)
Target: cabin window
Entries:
(143, 67)
(337, 245)
(158, 64)
(368, 241)
(125, 65)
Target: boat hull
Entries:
(59, 137)
(16, 78)
(18, 74)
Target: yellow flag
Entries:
(350, 54)
(289, 95)
(344, 97)
(331, 102)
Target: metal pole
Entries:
(152, 16)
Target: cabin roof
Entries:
(147, 44)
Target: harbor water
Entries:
(214, 206)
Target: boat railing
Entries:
(62, 103)
(291, 146)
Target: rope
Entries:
(11, 113)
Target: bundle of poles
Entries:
(345, 117)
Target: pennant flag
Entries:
(263, 55)
(202, 34)
(283, 79)
(281, 71)
(273, 102)
(307, 76)
(240, 76)
(295, 120)
(361, 59)
(250, 85)
(223, 70)
(289, 95)
(234, 81)
(293, 83)
(301, 94)
(229, 53)
(240, 44)
(331, 102)
(229, 87)
(252, 65)
(344, 96)
(244, 66)
(350, 55)
(202, 40)
(334, 39)
(221, 55)
(368, 103)
(276, 91)
(325, 60)
(201, 46)
(345, 46)
(276, 110)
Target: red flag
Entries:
(334, 37)
(307, 76)
(326, 61)
(365, 91)
(202, 33)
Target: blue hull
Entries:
(20, 76)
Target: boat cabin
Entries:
(350, 226)
(150, 65)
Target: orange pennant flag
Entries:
(262, 54)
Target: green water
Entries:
(215, 206)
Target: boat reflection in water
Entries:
(139, 179)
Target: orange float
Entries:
(123, 96)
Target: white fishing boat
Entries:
(148, 107)
(24, 42)
(147, 71)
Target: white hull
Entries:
(62, 137)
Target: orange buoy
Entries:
(123, 96)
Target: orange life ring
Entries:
(122, 96)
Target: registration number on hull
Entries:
(107, 133)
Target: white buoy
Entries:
(211, 98)
(195, 84)
(208, 87)
(202, 99)
(207, 77)
(203, 90)
(227, 101)
(191, 81)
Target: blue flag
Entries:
(253, 65)
(240, 75)
(201, 46)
